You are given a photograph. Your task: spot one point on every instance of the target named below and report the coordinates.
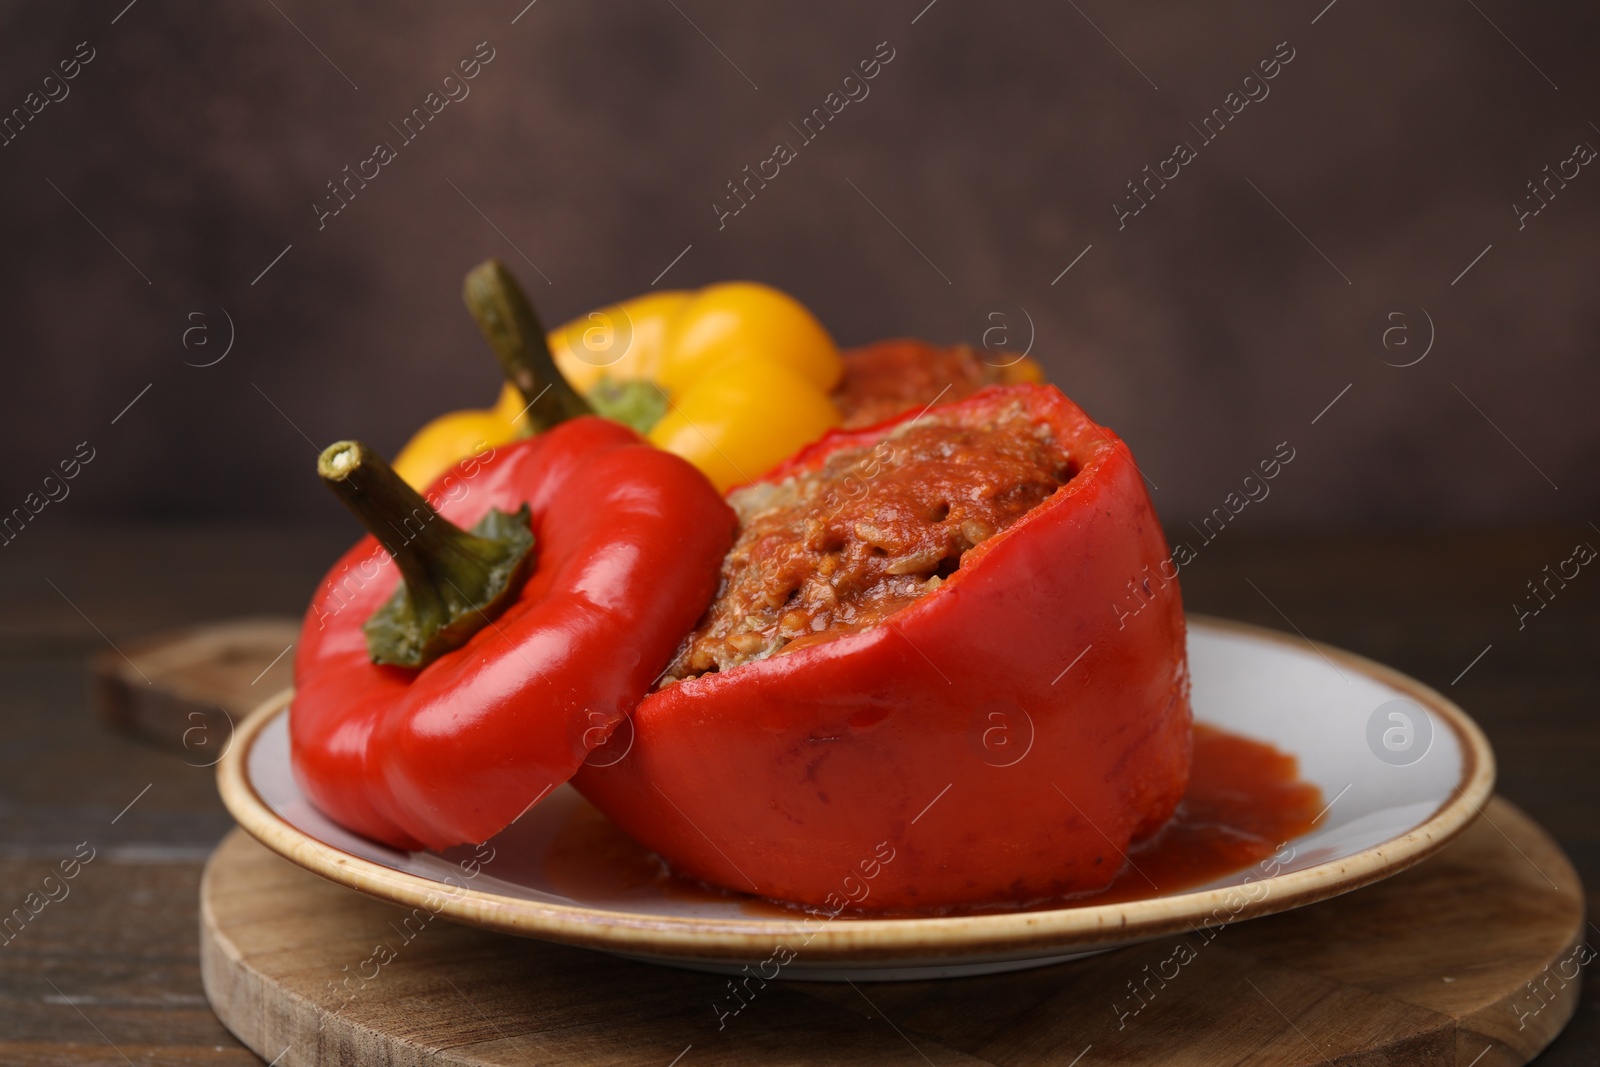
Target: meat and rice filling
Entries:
(884, 379)
(837, 549)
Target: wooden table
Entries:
(108, 974)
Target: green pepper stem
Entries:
(455, 581)
(513, 330)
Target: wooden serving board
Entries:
(188, 689)
(1472, 958)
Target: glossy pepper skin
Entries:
(965, 735)
(628, 541)
(738, 375)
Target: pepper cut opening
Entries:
(872, 530)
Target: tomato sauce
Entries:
(1244, 802)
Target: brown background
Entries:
(1206, 332)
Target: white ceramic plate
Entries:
(1404, 770)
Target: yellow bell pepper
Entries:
(1023, 370)
(739, 373)
(444, 441)
(733, 377)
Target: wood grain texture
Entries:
(1471, 958)
(187, 689)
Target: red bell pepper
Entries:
(627, 542)
(1002, 738)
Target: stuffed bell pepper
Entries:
(885, 378)
(914, 688)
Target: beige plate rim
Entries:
(898, 939)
